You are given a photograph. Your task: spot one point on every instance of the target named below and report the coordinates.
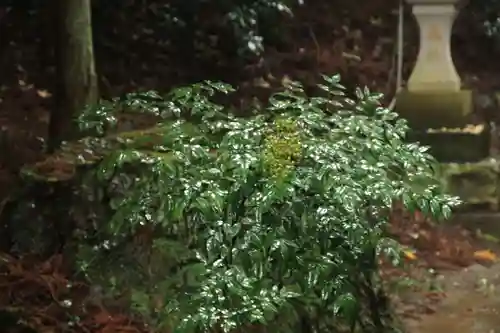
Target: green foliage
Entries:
(275, 220)
(202, 24)
(485, 12)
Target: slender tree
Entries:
(76, 75)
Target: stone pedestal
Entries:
(436, 108)
(434, 70)
(433, 96)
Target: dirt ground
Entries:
(472, 303)
(455, 279)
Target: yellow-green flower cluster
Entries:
(282, 147)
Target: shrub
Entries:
(276, 220)
(201, 24)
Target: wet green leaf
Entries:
(256, 220)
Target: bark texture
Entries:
(76, 75)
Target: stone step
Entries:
(471, 143)
(476, 183)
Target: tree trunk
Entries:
(76, 75)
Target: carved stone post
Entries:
(434, 70)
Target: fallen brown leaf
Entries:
(487, 255)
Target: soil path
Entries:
(472, 304)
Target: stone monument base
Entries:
(425, 110)
(445, 122)
(469, 144)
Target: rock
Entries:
(475, 183)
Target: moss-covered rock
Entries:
(477, 184)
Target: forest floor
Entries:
(455, 279)
(472, 303)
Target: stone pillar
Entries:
(434, 70)
(433, 98)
